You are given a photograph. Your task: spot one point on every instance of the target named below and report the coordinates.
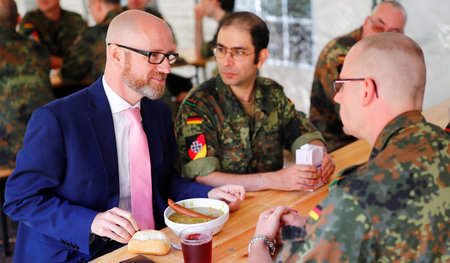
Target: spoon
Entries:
(175, 246)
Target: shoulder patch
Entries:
(315, 212)
(197, 146)
(194, 120)
(341, 59)
(191, 102)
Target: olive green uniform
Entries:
(324, 112)
(394, 208)
(215, 134)
(58, 36)
(24, 87)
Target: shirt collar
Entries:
(116, 103)
(399, 123)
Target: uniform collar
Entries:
(394, 127)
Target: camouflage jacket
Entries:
(206, 49)
(24, 87)
(85, 60)
(57, 37)
(215, 134)
(394, 208)
(324, 112)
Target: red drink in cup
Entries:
(196, 243)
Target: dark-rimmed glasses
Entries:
(378, 26)
(153, 57)
(339, 83)
(237, 54)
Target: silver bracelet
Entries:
(266, 240)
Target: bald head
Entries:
(396, 64)
(390, 4)
(135, 28)
(8, 13)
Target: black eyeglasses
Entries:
(237, 54)
(339, 83)
(153, 57)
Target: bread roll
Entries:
(152, 242)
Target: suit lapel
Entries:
(103, 128)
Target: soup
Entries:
(184, 219)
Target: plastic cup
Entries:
(196, 243)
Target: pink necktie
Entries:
(140, 172)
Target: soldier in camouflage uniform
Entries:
(85, 60)
(24, 83)
(395, 207)
(216, 9)
(53, 27)
(233, 128)
(324, 113)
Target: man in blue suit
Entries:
(70, 189)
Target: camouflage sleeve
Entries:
(196, 139)
(206, 49)
(77, 60)
(341, 233)
(323, 109)
(27, 28)
(298, 130)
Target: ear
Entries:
(115, 55)
(263, 54)
(369, 91)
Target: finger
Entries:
(305, 168)
(227, 197)
(124, 219)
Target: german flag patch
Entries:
(290, 102)
(341, 59)
(194, 120)
(197, 146)
(315, 213)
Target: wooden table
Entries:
(230, 244)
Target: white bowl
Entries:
(216, 224)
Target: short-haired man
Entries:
(216, 9)
(395, 207)
(24, 82)
(85, 60)
(234, 127)
(98, 165)
(388, 16)
(53, 27)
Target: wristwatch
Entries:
(266, 240)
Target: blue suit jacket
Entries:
(67, 172)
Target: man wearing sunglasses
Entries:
(388, 16)
(98, 165)
(395, 207)
(235, 126)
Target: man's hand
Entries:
(116, 224)
(199, 11)
(270, 221)
(296, 177)
(230, 193)
(327, 168)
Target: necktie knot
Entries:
(134, 114)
